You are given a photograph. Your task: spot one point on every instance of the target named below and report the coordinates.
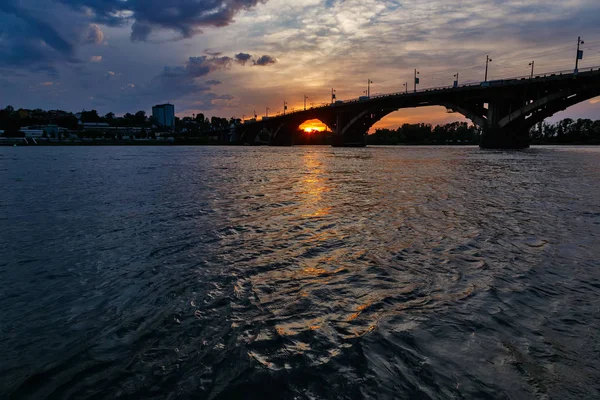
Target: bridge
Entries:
(504, 109)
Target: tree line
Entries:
(12, 120)
(426, 134)
(567, 131)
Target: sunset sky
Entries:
(236, 57)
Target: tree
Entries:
(110, 116)
(90, 116)
(140, 117)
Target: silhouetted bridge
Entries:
(505, 109)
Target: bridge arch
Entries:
(365, 120)
(433, 114)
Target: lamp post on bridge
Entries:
(405, 87)
(579, 54)
(416, 79)
(305, 98)
(369, 81)
(456, 81)
(532, 64)
(284, 107)
(332, 95)
(267, 112)
(488, 60)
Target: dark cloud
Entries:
(196, 67)
(243, 58)
(30, 40)
(184, 16)
(180, 81)
(140, 31)
(265, 60)
(212, 53)
(213, 82)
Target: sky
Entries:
(232, 58)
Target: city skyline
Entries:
(235, 58)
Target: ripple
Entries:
(305, 273)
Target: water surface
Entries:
(299, 273)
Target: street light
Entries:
(405, 87)
(284, 107)
(332, 95)
(416, 80)
(305, 98)
(456, 81)
(488, 60)
(369, 81)
(532, 64)
(579, 54)
(267, 112)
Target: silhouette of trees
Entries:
(453, 133)
(90, 116)
(567, 131)
(140, 117)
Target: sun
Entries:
(313, 125)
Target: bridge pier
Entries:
(349, 141)
(282, 138)
(507, 138)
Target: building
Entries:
(164, 115)
(94, 126)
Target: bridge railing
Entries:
(468, 84)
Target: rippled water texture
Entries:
(299, 273)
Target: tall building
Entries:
(164, 114)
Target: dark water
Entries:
(299, 273)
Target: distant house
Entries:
(94, 126)
(51, 130)
(38, 131)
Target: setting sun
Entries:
(313, 125)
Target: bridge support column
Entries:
(504, 138)
(500, 131)
(350, 131)
(285, 138)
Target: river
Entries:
(299, 273)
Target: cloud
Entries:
(184, 16)
(212, 53)
(196, 67)
(30, 39)
(94, 35)
(96, 59)
(265, 60)
(243, 58)
(213, 82)
(175, 82)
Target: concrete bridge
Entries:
(505, 109)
